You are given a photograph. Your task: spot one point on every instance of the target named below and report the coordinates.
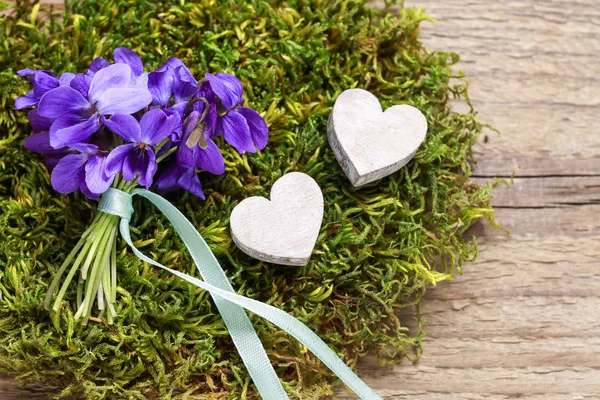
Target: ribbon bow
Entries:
(231, 305)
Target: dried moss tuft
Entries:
(379, 246)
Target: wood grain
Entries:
(524, 320)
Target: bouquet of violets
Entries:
(112, 126)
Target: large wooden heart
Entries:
(282, 230)
(369, 143)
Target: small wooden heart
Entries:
(369, 143)
(282, 230)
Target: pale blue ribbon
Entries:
(231, 305)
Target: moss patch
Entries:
(379, 246)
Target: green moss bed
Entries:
(379, 247)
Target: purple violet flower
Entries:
(42, 81)
(242, 127)
(196, 148)
(72, 109)
(138, 157)
(171, 86)
(84, 171)
(78, 116)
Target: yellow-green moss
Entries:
(379, 246)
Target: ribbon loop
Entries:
(116, 202)
(231, 305)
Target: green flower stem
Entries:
(66, 263)
(94, 255)
(167, 154)
(95, 258)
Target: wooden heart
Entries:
(282, 230)
(369, 143)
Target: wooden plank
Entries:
(11, 390)
(542, 192)
(524, 321)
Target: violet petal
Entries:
(25, 101)
(134, 160)
(116, 158)
(129, 57)
(160, 84)
(210, 159)
(65, 177)
(39, 143)
(185, 155)
(139, 82)
(81, 83)
(69, 129)
(52, 160)
(115, 76)
(167, 181)
(190, 181)
(210, 122)
(258, 127)
(84, 148)
(227, 87)
(148, 168)
(62, 100)
(43, 82)
(66, 78)
(156, 126)
(27, 72)
(98, 63)
(236, 132)
(38, 123)
(125, 126)
(124, 100)
(85, 190)
(96, 178)
(184, 83)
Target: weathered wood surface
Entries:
(524, 320)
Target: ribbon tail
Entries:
(238, 324)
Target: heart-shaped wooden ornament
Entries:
(369, 143)
(282, 230)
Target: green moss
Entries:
(379, 246)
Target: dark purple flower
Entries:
(138, 157)
(42, 81)
(184, 83)
(171, 86)
(242, 127)
(177, 177)
(196, 148)
(171, 81)
(78, 116)
(85, 170)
